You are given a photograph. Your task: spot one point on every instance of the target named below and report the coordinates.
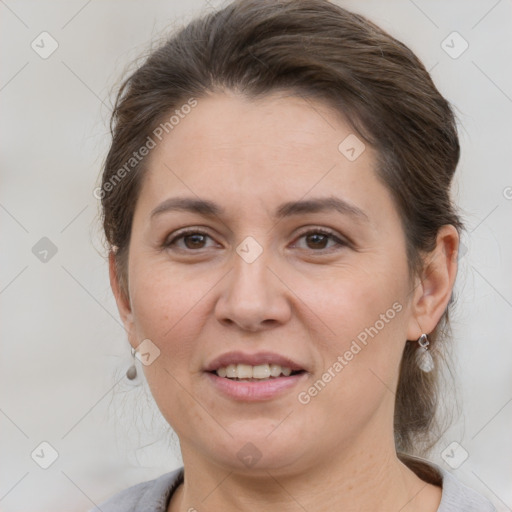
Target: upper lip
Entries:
(253, 360)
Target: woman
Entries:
(283, 254)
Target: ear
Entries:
(122, 300)
(435, 284)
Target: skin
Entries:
(302, 297)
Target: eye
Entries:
(192, 238)
(318, 238)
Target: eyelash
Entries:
(191, 231)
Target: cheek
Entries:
(165, 301)
(354, 301)
(167, 308)
(362, 319)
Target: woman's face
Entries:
(276, 269)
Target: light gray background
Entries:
(64, 352)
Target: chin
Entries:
(254, 448)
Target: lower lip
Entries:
(255, 391)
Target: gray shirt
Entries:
(155, 495)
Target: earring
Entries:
(131, 373)
(423, 356)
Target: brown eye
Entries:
(192, 240)
(195, 241)
(318, 240)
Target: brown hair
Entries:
(317, 50)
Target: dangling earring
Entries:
(423, 356)
(131, 373)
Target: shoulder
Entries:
(455, 497)
(150, 496)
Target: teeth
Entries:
(262, 371)
(231, 371)
(246, 371)
(275, 370)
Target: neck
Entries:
(348, 480)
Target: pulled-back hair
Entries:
(317, 50)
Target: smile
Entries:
(255, 389)
(258, 372)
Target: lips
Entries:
(252, 360)
(262, 388)
(256, 391)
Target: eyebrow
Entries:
(208, 208)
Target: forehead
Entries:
(260, 152)
(232, 126)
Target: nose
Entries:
(254, 298)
